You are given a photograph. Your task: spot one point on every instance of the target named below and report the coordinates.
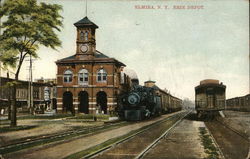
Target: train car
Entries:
(239, 103)
(169, 102)
(247, 102)
(233, 104)
(209, 97)
(175, 104)
(165, 101)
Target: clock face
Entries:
(84, 48)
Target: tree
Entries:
(28, 25)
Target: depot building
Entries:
(89, 81)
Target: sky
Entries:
(177, 48)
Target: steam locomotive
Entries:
(140, 103)
(143, 102)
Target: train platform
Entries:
(183, 142)
(64, 149)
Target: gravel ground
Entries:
(69, 147)
(43, 127)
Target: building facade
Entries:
(23, 92)
(88, 81)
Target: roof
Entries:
(20, 82)
(239, 97)
(98, 57)
(85, 22)
(209, 81)
(98, 54)
(210, 85)
(149, 81)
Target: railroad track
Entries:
(234, 130)
(232, 144)
(147, 149)
(245, 137)
(30, 142)
(180, 116)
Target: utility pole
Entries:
(30, 87)
(9, 95)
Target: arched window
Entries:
(101, 75)
(67, 76)
(82, 35)
(83, 76)
(86, 35)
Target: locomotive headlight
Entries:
(133, 98)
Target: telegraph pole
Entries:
(31, 85)
(30, 88)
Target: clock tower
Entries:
(85, 41)
(89, 81)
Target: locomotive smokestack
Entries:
(135, 82)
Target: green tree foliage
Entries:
(26, 26)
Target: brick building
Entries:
(88, 81)
(23, 96)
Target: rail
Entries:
(58, 136)
(147, 149)
(245, 137)
(102, 150)
(234, 130)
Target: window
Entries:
(67, 76)
(36, 94)
(101, 76)
(22, 94)
(86, 36)
(17, 93)
(82, 35)
(83, 76)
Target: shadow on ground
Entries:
(193, 117)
